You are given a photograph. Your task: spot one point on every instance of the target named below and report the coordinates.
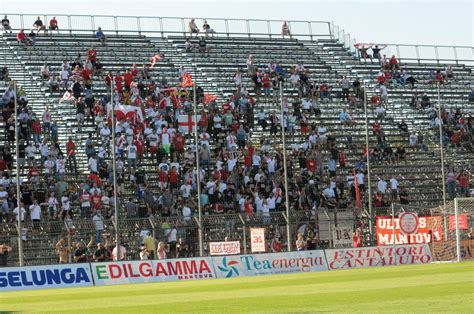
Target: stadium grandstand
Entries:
(218, 126)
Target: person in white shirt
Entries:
(307, 104)
(382, 186)
(185, 190)
(186, 213)
(394, 188)
(384, 94)
(30, 151)
(122, 256)
(16, 212)
(295, 79)
(329, 193)
(132, 156)
(360, 180)
(413, 140)
(92, 163)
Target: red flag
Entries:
(209, 98)
(357, 192)
(154, 59)
(187, 80)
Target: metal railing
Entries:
(163, 26)
(408, 53)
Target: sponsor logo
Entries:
(229, 268)
(44, 277)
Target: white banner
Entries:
(257, 240)
(152, 271)
(224, 248)
(342, 236)
(41, 277)
(273, 263)
(378, 256)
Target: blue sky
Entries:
(411, 22)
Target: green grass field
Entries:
(402, 289)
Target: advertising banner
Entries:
(224, 248)
(152, 271)
(378, 256)
(462, 222)
(429, 229)
(257, 240)
(41, 277)
(274, 263)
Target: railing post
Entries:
(417, 54)
(139, 26)
(455, 54)
(436, 54)
(310, 28)
(115, 24)
(183, 26)
(227, 27)
(269, 29)
(22, 21)
(161, 27)
(93, 24)
(398, 53)
(248, 28)
(69, 24)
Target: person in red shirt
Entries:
(162, 178)
(463, 180)
(134, 70)
(248, 206)
(376, 128)
(118, 83)
(86, 74)
(53, 24)
(342, 158)
(92, 55)
(22, 38)
(439, 77)
(128, 79)
(173, 178)
(95, 179)
(3, 165)
(267, 85)
(203, 121)
(393, 63)
(96, 201)
(71, 155)
(139, 143)
(311, 165)
(179, 142)
(33, 175)
(36, 130)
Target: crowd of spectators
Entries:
(155, 160)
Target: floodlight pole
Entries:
(18, 194)
(114, 170)
(285, 173)
(441, 149)
(369, 188)
(198, 174)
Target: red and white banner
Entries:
(187, 124)
(257, 240)
(224, 248)
(378, 256)
(408, 222)
(125, 111)
(429, 229)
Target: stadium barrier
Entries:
(200, 268)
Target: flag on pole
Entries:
(154, 60)
(209, 98)
(357, 192)
(187, 80)
(187, 124)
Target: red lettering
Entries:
(145, 270)
(204, 267)
(132, 274)
(115, 271)
(160, 270)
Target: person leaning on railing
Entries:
(6, 24)
(193, 29)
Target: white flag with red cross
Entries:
(187, 123)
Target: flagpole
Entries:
(114, 170)
(18, 195)
(198, 174)
(287, 200)
(369, 188)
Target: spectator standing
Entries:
(6, 24)
(98, 221)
